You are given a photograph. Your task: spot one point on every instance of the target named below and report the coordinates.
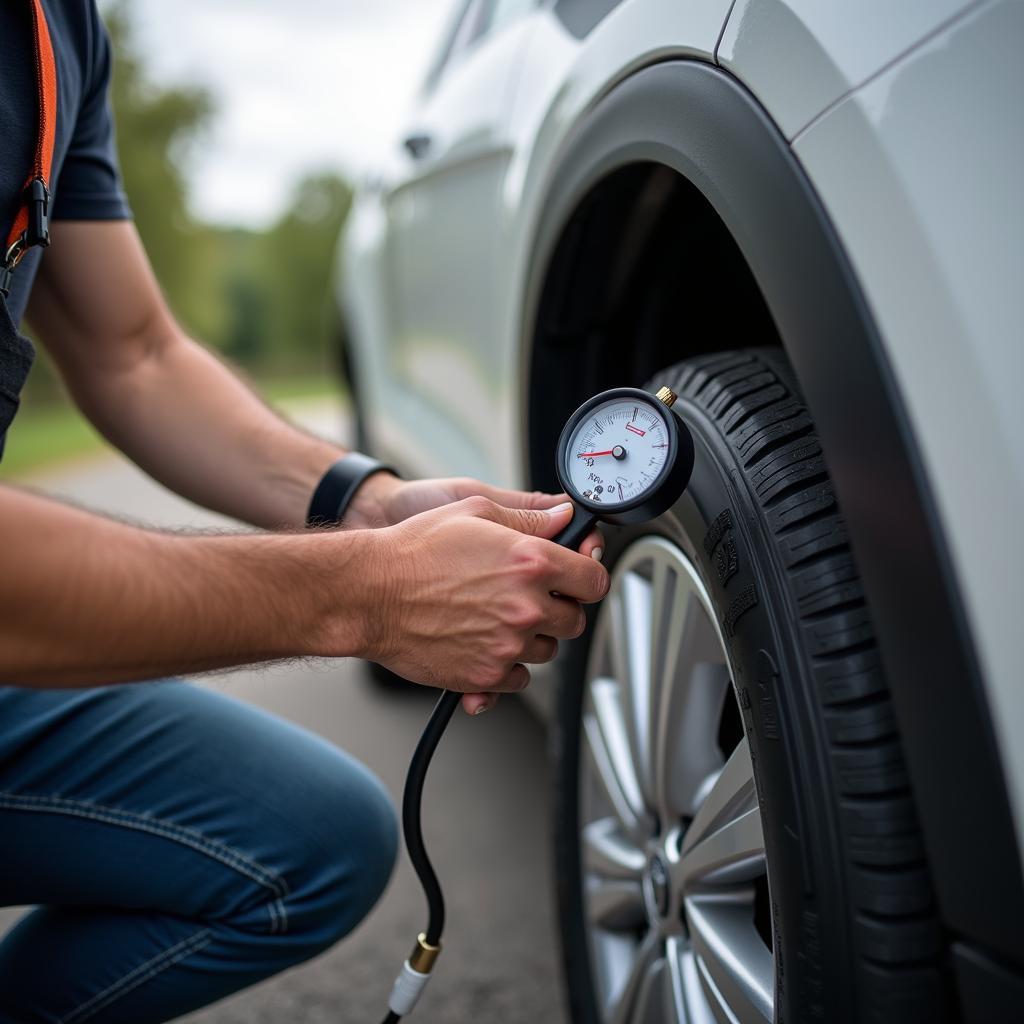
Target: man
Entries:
(179, 845)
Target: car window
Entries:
(464, 14)
(476, 19)
(505, 11)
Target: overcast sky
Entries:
(298, 84)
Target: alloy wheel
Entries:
(675, 882)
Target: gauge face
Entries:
(616, 452)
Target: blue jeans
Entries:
(177, 845)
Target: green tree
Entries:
(295, 269)
(156, 126)
(261, 298)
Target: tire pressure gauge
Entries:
(623, 457)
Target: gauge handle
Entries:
(580, 525)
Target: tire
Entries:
(840, 899)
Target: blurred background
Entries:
(242, 126)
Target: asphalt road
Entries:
(486, 821)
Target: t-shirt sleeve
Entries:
(89, 186)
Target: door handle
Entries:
(417, 145)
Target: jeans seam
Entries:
(232, 858)
(152, 967)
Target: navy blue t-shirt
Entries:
(85, 181)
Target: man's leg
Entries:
(179, 845)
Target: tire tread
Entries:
(754, 401)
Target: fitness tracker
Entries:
(338, 486)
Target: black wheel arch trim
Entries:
(701, 122)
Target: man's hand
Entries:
(470, 591)
(384, 500)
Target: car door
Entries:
(445, 258)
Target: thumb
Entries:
(539, 522)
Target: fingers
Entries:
(540, 650)
(575, 575)
(568, 572)
(478, 703)
(593, 546)
(518, 499)
(535, 522)
(564, 619)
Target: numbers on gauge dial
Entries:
(617, 451)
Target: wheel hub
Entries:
(656, 890)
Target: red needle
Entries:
(584, 455)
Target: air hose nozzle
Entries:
(413, 977)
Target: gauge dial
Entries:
(617, 452)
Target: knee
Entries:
(347, 856)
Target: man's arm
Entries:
(86, 600)
(455, 597)
(182, 415)
(164, 400)
(189, 422)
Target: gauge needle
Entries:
(584, 455)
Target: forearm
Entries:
(189, 422)
(165, 401)
(86, 600)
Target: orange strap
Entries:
(31, 226)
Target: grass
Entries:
(43, 436)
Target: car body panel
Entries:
(799, 56)
(413, 326)
(455, 183)
(942, 279)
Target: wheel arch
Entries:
(687, 127)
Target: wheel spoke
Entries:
(650, 1005)
(631, 618)
(664, 646)
(609, 746)
(690, 682)
(726, 830)
(730, 855)
(624, 1001)
(614, 904)
(606, 852)
(672, 980)
(734, 964)
(683, 985)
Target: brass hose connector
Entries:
(424, 955)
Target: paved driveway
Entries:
(486, 815)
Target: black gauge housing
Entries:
(668, 485)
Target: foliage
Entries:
(156, 127)
(259, 297)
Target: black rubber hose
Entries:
(571, 537)
(411, 803)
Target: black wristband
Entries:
(338, 485)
